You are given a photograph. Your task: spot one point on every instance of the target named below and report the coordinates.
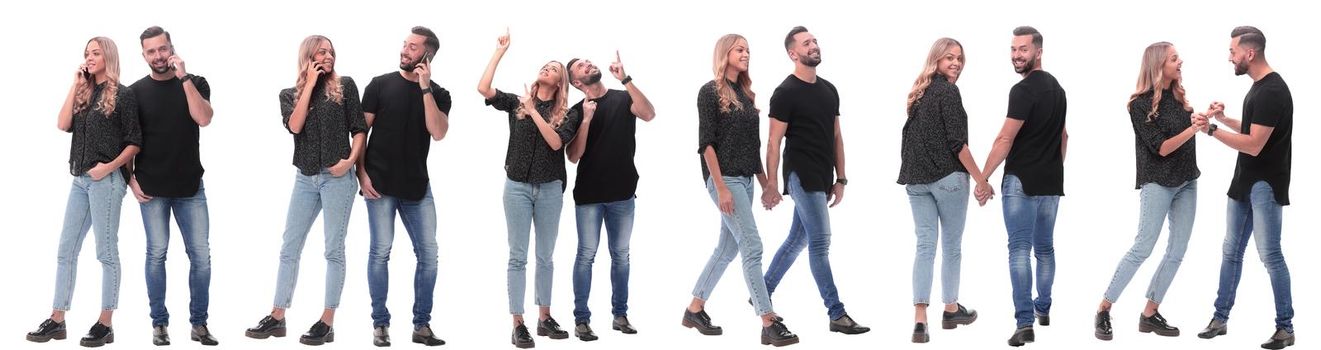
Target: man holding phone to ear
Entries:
(405, 112)
(167, 177)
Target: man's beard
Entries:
(1241, 67)
(591, 79)
(1028, 64)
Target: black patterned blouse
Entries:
(98, 138)
(733, 135)
(528, 159)
(324, 139)
(935, 132)
(1175, 168)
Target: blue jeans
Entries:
(942, 204)
(1264, 216)
(528, 205)
(1180, 204)
(310, 194)
(811, 230)
(1030, 222)
(618, 220)
(738, 236)
(92, 205)
(419, 219)
(194, 226)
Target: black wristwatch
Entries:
(627, 79)
(1211, 130)
(426, 90)
(186, 78)
(842, 181)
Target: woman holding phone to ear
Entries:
(102, 115)
(540, 125)
(323, 112)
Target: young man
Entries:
(1260, 188)
(805, 110)
(1032, 144)
(167, 178)
(606, 186)
(405, 112)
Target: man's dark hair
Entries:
(153, 32)
(432, 43)
(1250, 37)
(789, 39)
(568, 68)
(1028, 30)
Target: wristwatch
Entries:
(1211, 130)
(426, 90)
(842, 181)
(187, 78)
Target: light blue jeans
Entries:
(738, 236)
(194, 227)
(528, 205)
(1180, 205)
(310, 195)
(942, 204)
(92, 205)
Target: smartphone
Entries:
(426, 58)
(87, 75)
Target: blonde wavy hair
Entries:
(1152, 73)
(938, 50)
(720, 59)
(306, 53)
(561, 98)
(82, 98)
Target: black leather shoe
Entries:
(266, 328)
(521, 338)
(423, 335)
(49, 329)
(160, 335)
(1157, 323)
(1213, 329)
(584, 332)
(203, 335)
(702, 322)
(962, 316)
(1103, 329)
(99, 335)
(1281, 339)
(1022, 336)
(1042, 319)
(844, 324)
(549, 328)
(381, 336)
(777, 335)
(622, 325)
(320, 333)
(920, 333)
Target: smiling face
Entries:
(585, 73)
(94, 58)
(157, 51)
(739, 56)
(1172, 69)
(412, 52)
(951, 63)
(551, 73)
(325, 55)
(1240, 56)
(805, 50)
(1024, 54)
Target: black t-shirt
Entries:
(1036, 158)
(399, 141)
(810, 110)
(606, 172)
(1268, 103)
(169, 164)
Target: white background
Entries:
(872, 52)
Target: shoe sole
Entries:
(42, 339)
(98, 343)
(1104, 336)
(329, 338)
(778, 343)
(525, 346)
(195, 338)
(544, 333)
(381, 344)
(423, 341)
(1030, 338)
(848, 331)
(585, 337)
(1144, 328)
(278, 333)
(951, 324)
(1287, 343)
(921, 338)
(164, 343)
(621, 330)
(1209, 335)
(704, 331)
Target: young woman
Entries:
(729, 145)
(102, 115)
(540, 125)
(323, 113)
(936, 164)
(1164, 125)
